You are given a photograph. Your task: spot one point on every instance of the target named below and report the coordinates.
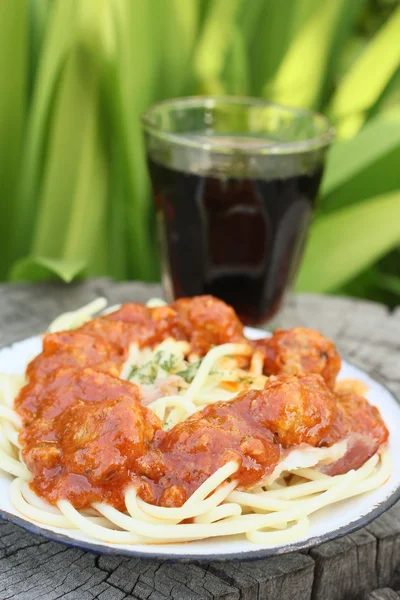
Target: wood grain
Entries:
(382, 594)
(352, 567)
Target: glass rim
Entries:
(263, 147)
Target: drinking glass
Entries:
(235, 182)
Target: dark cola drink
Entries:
(234, 184)
(236, 238)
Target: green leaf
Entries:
(302, 11)
(380, 177)
(69, 183)
(214, 43)
(347, 241)
(272, 28)
(366, 285)
(39, 13)
(72, 210)
(376, 282)
(368, 77)
(250, 15)
(179, 29)
(389, 102)
(346, 45)
(132, 91)
(117, 216)
(61, 31)
(85, 233)
(39, 268)
(270, 40)
(139, 41)
(13, 69)
(298, 86)
(391, 283)
(350, 157)
(236, 73)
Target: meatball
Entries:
(116, 332)
(361, 425)
(354, 414)
(136, 323)
(131, 312)
(102, 441)
(88, 453)
(50, 397)
(75, 349)
(204, 321)
(194, 449)
(297, 408)
(83, 432)
(208, 321)
(146, 326)
(250, 429)
(300, 350)
(68, 401)
(168, 323)
(40, 448)
(131, 323)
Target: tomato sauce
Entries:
(86, 435)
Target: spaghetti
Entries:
(264, 486)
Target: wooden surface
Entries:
(364, 565)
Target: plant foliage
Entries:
(77, 74)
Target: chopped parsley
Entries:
(133, 372)
(216, 372)
(190, 373)
(148, 373)
(170, 364)
(245, 379)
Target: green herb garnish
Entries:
(170, 364)
(148, 372)
(245, 379)
(133, 372)
(190, 373)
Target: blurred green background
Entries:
(76, 74)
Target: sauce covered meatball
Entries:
(63, 387)
(361, 424)
(300, 350)
(208, 322)
(252, 429)
(299, 409)
(86, 454)
(223, 431)
(75, 349)
(354, 414)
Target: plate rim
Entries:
(247, 555)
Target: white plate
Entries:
(331, 522)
